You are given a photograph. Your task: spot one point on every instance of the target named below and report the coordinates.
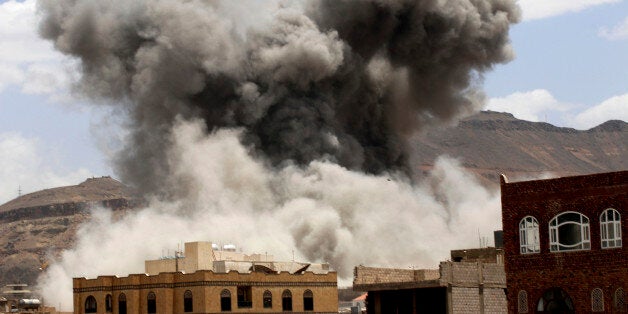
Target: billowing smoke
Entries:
(321, 213)
(289, 134)
(345, 80)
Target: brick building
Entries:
(473, 284)
(563, 243)
(204, 280)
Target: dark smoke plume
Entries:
(348, 80)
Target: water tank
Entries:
(229, 247)
(215, 247)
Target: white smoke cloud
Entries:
(539, 9)
(24, 167)
(614, 108)
(27, 61)
(323, 212)
(530, 105)
(539, 104)
(619, 32)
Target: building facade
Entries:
(563, 243)
(475, 284)
(207, 279)
(208, 292)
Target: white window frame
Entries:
(529, 242)
(610, 222)
(585, 235)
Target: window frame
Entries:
(108, 303)
(522, 301)
(188, 301)
(267, 300)
(151, 302)
(584, 232)
(225, 300)
(529, 230)
(597, 300)
(619, 301)
(308, 300)
(91, 305)
(606, 242)
(121, 302)
(286, 301)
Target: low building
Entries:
(472, 285)
(563, 243)
(236, 286)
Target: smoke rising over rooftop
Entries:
(288, 135)
(341, 80)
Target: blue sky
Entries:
(571, 69)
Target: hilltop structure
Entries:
(212, 281)
(563, 243)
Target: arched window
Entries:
(108, 303)
(522, 304)
(188, 304)
(610, 229)
(308, 300)
(151, 303)
(619, 301)
(569, 231)
(225, 300)
(555, 300)
(90, 305)
(122, 303)
(597, 300)
(529, 235)
(267, 300)
(286, 300)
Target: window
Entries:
(569, 231)
(529, 235)
(308, 300)
(597, 300)
(188, 302)
(90, 305)
(555, 300)
(286, 300)
(522, 304)
(122, 303)
(244, 297)
(267, 300)
(151, 303)
(619, 301)
(108, 303)
(225, 300)
(610, 229)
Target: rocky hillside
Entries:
(491, 143)
(40, 224)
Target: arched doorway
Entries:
(555, 300)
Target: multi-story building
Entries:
(251, 286)
(563, 243)
(473, 282)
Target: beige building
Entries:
(474, 282)
(209, 256)
(230, 283)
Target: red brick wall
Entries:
(576, 272)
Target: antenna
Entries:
(19, 190)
